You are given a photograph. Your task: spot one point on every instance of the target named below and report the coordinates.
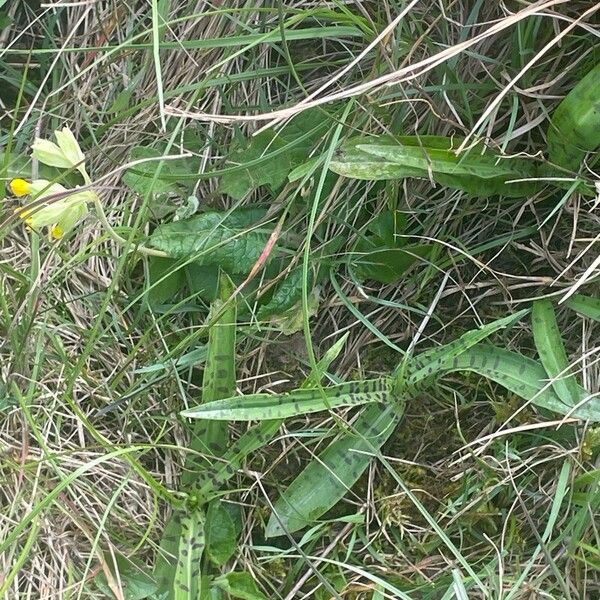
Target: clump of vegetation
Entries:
(299, 301)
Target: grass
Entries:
(480, 491)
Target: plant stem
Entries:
(112, 233)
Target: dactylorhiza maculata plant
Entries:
(64, 208)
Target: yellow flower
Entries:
(59, 215)
(65, 154)
(20, 187)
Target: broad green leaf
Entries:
(381, 253)
(445, 161)
(141, 179)
(389, 265)
(327, 479)
(189, 557)
(524, 377)
(203, 280)
(165, 280)
(221, 534)
(585, 305)
(5, 19)
(239, 584)
(135, 582)
(258, 407)
(574, 127)
(271, 155)
(232, 241)
(286, 295)
(550, 347)
(433, 157)
(292, 320)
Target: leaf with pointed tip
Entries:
(524, 377)
(327, 479)
(552, 352)
(433, 157)
(273, 154)
(232, 241)
(256, 407)
(429, 363)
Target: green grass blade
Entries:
(524, 377)
(326, 480)
(585, 305)
(258, 407)
(156, 41)
(551, 349)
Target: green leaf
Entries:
(5, 20)
(287, 294)
(259, 435)
(327, 479)
(430, 363)
(141, 179)
(550, 347)
(221, 534)
(381, 254)
(292, 320)
(165, 280)
(433, 157)
(524, 377)
(211, 438)
(271, 155)
(574, 127)
(231, 241)
(585, 305)
(240, 584)
(135, 582)
(189, 558)
(203, 281)
(213, 477)
(206, 439)
(389, 265)
(258, 407)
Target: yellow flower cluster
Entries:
(63, 211)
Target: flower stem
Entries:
(113, 234)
